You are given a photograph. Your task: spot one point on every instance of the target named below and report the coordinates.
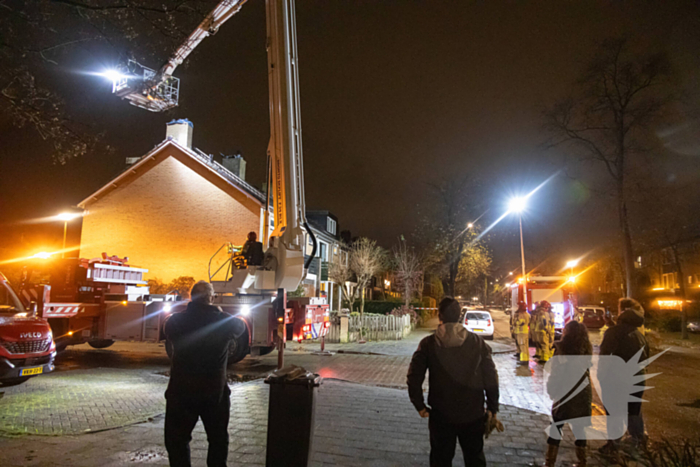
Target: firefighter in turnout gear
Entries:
(545, 331)
(535, 328)
(521, 328)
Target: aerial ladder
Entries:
(257, 295)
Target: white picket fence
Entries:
(374, 328)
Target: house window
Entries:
(330, 226)
(324, 251)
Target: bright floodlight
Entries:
(42, 255)
(67, 216)
(245, 310)
(112, 75)
(572, 263)
(517, 204)
(470, 225)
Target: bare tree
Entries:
(447, 231)
(606, 117)
(408, 270)
(366, 260)
(340, 273)
(38, 37)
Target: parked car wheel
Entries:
(100, 343)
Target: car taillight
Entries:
(488, 322)
(328, 324)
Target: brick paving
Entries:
(356, 425)
(363, 413)
(82, 400)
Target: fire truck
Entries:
(98, 301)
(560, 291)
(103, 300)
(26, 343)
(255, 293)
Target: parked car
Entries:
(479, 322)
(693, 326)
(27, 347)
(593, 316)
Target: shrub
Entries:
(407, 310)
(381, 307)
(685, 453)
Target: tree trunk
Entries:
(628, 253)
(681, 285)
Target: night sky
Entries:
(395, 95)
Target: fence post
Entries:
(344, 327)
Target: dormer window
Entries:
(330, 225)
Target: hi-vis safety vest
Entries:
(521, 323)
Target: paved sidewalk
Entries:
(83, 400)
(356, 425)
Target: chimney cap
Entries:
(181, 121)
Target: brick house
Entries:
(171, 209)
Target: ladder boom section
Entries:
(285, 148)
(209, 26)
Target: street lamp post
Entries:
(518, 205)
(66, 217)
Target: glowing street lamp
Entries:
(571, 265)
(42, 255)
(518, 205)
(66, 217)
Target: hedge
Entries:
(381, 307)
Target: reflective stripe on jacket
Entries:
(521, 323)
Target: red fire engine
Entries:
(104, 300)
(26, 344)
(560, 291)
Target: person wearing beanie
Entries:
(625, 340)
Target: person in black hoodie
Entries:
(198, 385)
(625, 340)
(461, 373)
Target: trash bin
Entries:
(290, 418)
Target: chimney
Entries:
(235, 164)
(180, 131)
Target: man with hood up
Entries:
(624, 340)
(461, 373)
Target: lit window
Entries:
(330, 226)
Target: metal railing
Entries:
(208, 159)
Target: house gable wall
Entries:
(170, 220)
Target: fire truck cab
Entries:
(557, 290)
(26, 343)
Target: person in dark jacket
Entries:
(200, 338)
(253, 250)
(461, 372)
(625, 340)
(574, 341)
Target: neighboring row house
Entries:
(172, 209)
(661, 273)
